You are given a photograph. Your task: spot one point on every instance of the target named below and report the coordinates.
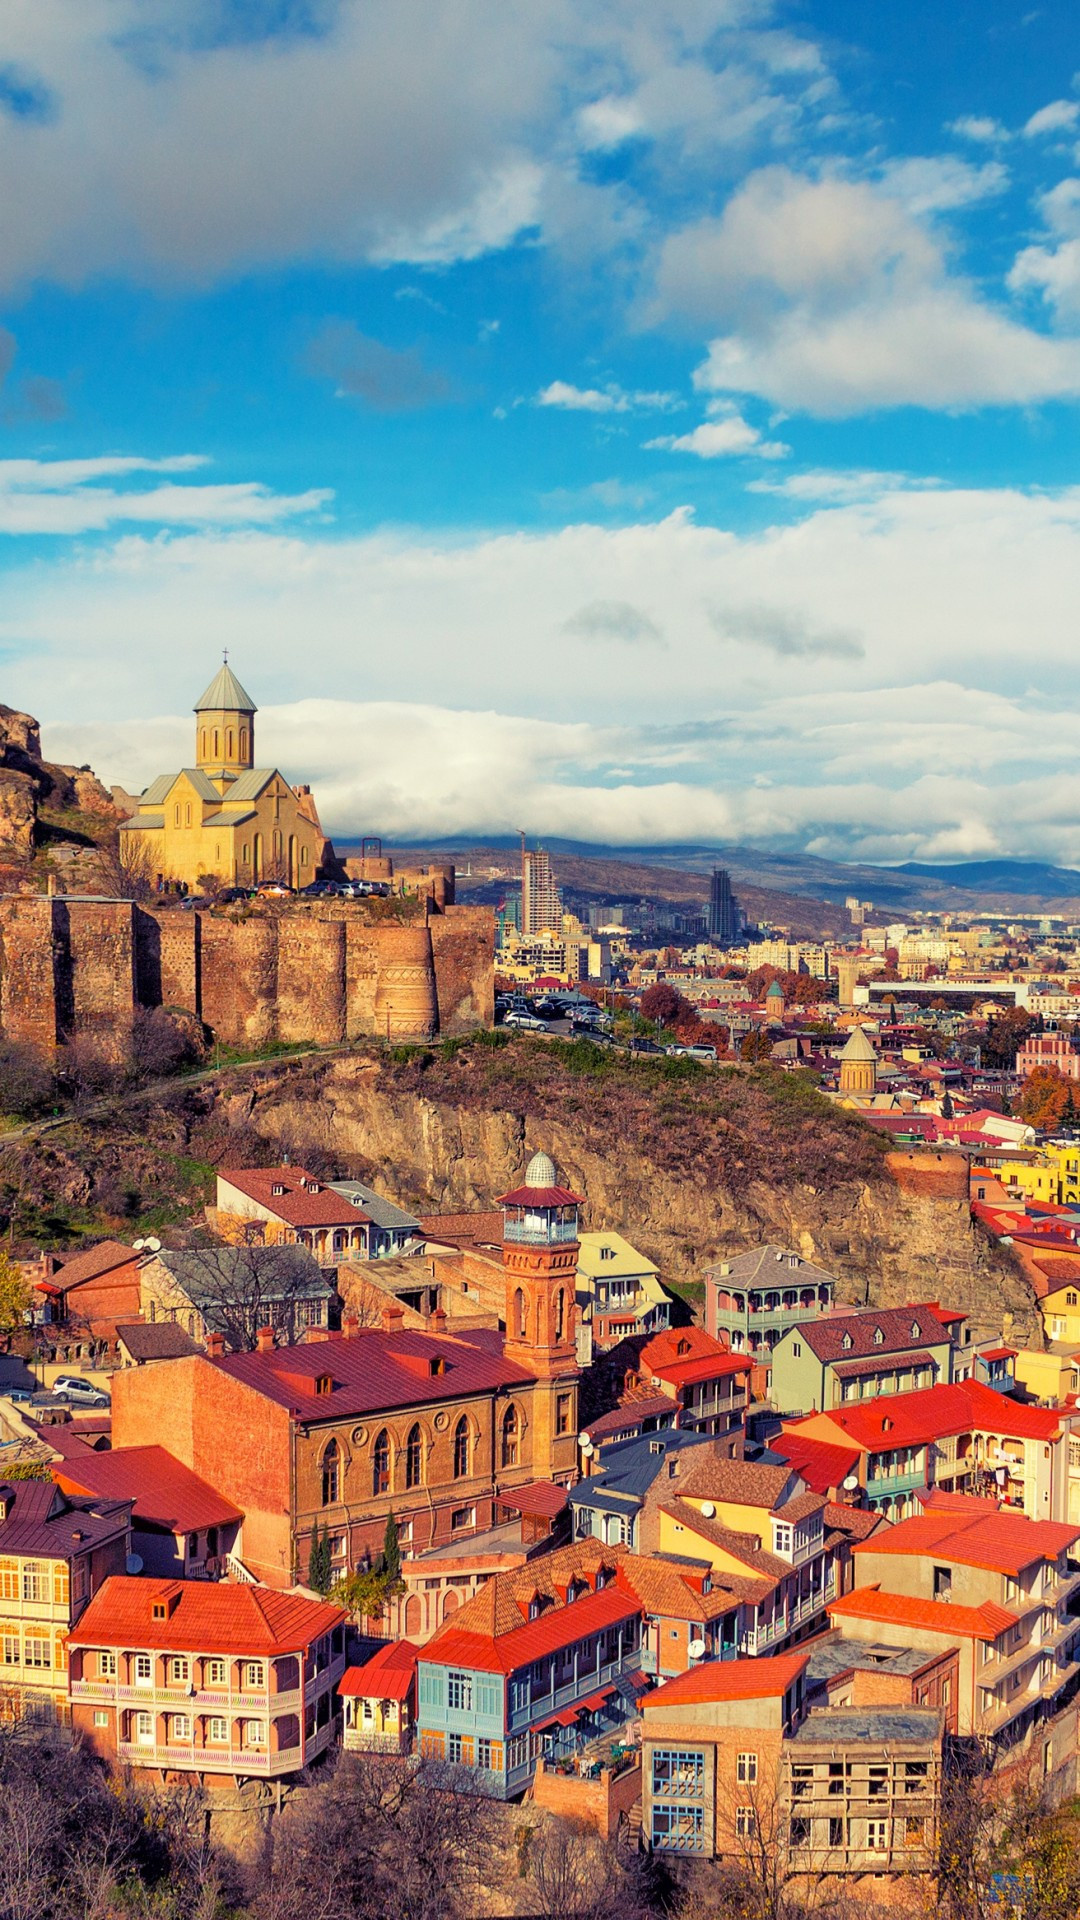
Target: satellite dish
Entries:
(708, 1509)
(851, 1484)
(137, 1246)
(153, 1245)
(696, 1649)
(584, 1443)
(133, 1563)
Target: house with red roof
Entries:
(291, 1206)
(180, 1526)
(537, 1662)
(83, 1299)
(964, 1438)
(56, 1551)
(220, 1681)
(862, 1354)
(705, 1384)
(379, 1700)
(991, 1582)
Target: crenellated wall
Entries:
(326, 972)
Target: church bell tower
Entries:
(540, 1256)
(225, 728)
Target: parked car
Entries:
(639, 1045)
(702, 1051)
(527, 1021)
(70, 1386)
(274, 887)
(228, 894)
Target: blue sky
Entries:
(647, 419)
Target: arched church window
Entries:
(413, 1458)
(380, 1464)
(510, 1431)
(461, 1449)
(560, 1313)
(331, 1473)
(519, 1315)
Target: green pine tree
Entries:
(391, 1552)
(320, 1569)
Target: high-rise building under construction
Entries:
(541, 901)
(723, 909)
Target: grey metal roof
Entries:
(382, 1212)
(144, 823)
(249, 785)
(158, 789)
(204, 787)
(876, 1726)
(201, 1272)
(770, 1265)
(225, 692)
(631, 1466)
(230, 819)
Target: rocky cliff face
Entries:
(893, 1228)
(31, 787)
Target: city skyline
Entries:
(655, 423)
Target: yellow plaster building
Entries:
(225, 816)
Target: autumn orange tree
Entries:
(1045, 1100)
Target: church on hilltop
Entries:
(225, 817)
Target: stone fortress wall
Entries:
(321, 970)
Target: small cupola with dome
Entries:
(225, 727)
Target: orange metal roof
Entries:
(762, 1679)
(559, 1627)
(209, 1616)
(916, 1419)
(165, 1492)
(388, 1675)
(1001, 1542)
(984, 1622)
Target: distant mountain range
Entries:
(1002, 884)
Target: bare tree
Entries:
(238, 1290)
(577, 1872)
(125, 865)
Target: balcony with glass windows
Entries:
(552, 1227)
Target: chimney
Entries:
(438, 1320)
(350, 1324)
(393, 1318)
(264, 1340)
(215, 1345)
(315, 1333)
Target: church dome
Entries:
(540, 1171)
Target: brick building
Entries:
(192, 1677)
(341, 1432)
(86, 1297)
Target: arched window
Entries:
(229, 744)
(519, 1314)
(331, 1473)
(413, 1458)
(202, 743)
(217, 744)
(461, 1449)
(243, 743)
(510, 1437)
(560, 1313)
(176, 814)
(187, 814)
(380, 1464)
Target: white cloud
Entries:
(609, 399)
(1053, 270)
(941, 183)
(978, 126)
(57, 497)
(725, 432)
(837, 485)
(830, 657)
(427, 131)
(1060, 116)
(834, 299)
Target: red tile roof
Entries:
(209, 1616)
(632, 1413)
(559, 1627)
(1001, 1542)
(900, 1328)
(764, 1679)
(92, 1263)
(541, 1497)
(822, 1465)
(677, 1346)
(477, 1229)
(388, 1675)
(165, 1492)
(540, 1197)
(306, 1202)
(984, 1622)
(916, 1419)
(373, 1371)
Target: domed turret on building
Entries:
(540, 1171)
(224, 817)
(858, 1065)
